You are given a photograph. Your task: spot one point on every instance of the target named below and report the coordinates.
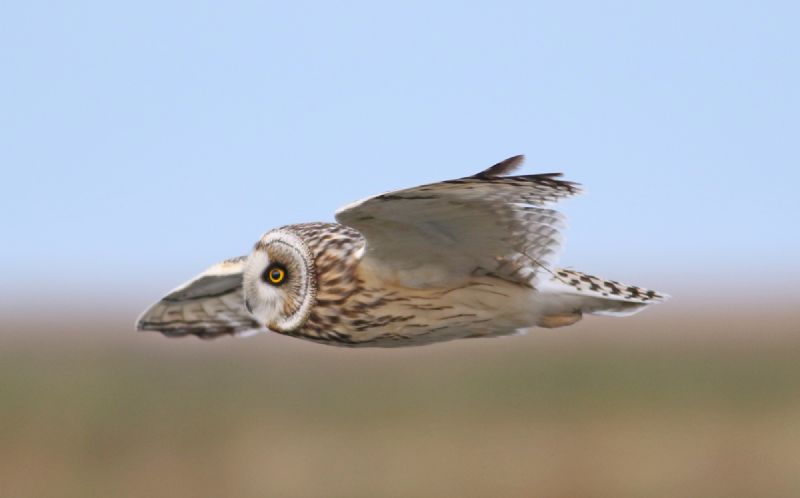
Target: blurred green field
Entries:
(651, 406)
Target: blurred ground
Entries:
(664, 404)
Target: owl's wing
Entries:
(443, 232)
(208, 306)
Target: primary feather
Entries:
(443, 232)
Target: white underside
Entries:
(484, 307)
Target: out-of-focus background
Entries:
(141, 142)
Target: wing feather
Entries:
(446, 231)
(208, 306)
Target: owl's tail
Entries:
(569, 294)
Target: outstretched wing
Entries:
(208, 306)
(444, 232)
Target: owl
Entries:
(464, 258)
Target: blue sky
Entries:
(143, 141)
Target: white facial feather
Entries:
(284, 306)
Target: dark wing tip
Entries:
(203, 331)
(553, 180)
(502, 168)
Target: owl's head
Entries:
(280, 281)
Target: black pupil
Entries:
(276, 274)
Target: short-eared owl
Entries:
(472, 257)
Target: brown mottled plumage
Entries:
(472, 257)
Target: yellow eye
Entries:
(275, 275)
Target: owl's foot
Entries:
(562, 320)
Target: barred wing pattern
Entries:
(208, 306)
(444, 232)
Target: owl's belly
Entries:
(392, 317)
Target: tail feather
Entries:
(570, 291)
